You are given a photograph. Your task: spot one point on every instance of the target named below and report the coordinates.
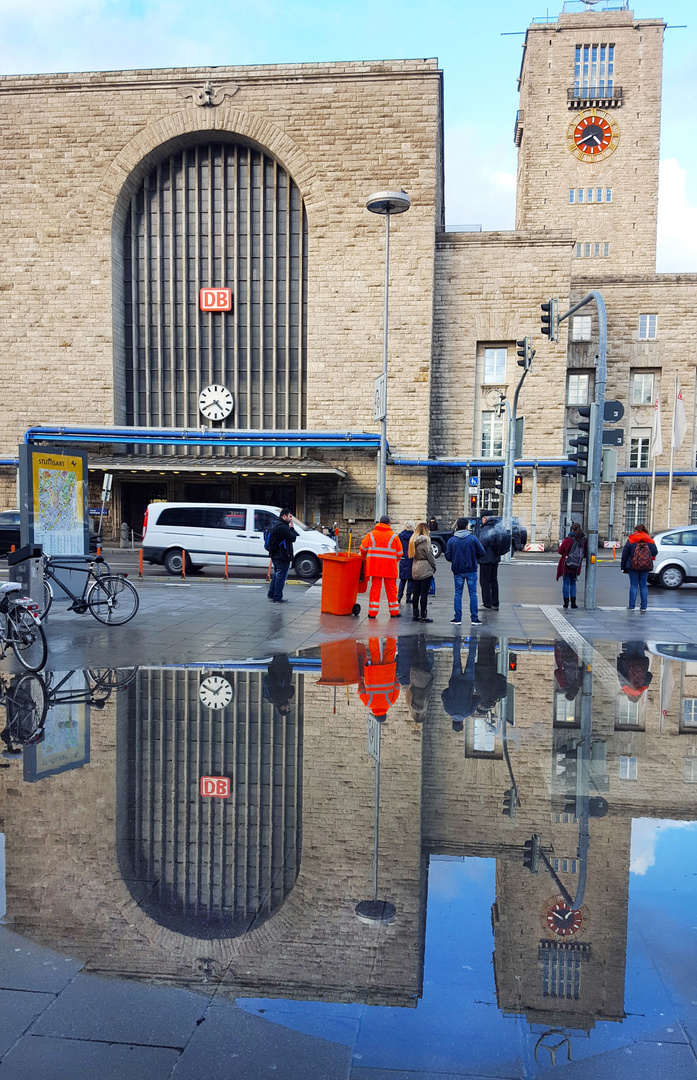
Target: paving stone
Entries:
(19, 1009)
(35, 1057)
(24, 966)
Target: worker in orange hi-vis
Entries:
(382, 549)
(378, 685)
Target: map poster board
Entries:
(53, 499)
(66, 739)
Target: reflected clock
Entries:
(215, 692)
(593, 135)
(215, 402)
(563, 920)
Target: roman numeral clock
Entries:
(592, 135)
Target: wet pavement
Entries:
(435, 852)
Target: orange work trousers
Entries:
(376, 590)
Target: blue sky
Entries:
(480, 67)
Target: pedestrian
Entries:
(637, 561)
(405, 562)
(382, 549)
(433, 524)
(423, 569)
(568, 671)
(280, 548)
(463, 551)
(278, 683)
(573, 550)
(491, 537)
(378, 686)
(633, 669)
(476, 690)
(420, 680)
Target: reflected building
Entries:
(487, 746)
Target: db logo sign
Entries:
(216, 299)
(215, 786)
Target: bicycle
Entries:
(20, 627)
(111, 598)
(26, 702)
(99, 686)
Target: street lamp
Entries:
(385, 203)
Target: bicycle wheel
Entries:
(27, 705)
(48, 600)
(112, 678)
(27, 638)
(112, 600)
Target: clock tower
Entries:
(588, 136)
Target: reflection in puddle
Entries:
(399, 809)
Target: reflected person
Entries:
(476, 689)
(568, 670)
(278, 684)
(633, 669)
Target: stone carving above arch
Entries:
(162, 136)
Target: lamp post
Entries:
(385, 203)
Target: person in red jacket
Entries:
(573, 546)
(378, 686)
(637, 561)
(382, 549)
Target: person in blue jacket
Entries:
(463, 552)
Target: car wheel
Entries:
(436, 549)
(173, 562)
(671, 577)
(307, 566)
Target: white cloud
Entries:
(677, 222)
(645, 833)
(480, 180)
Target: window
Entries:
(693, 507)
(494, 366)
(263, 519)
(642, 388)
(572, 195)
(689, 712)
(567, 866)
(636, 506)
(627, 768)
(599, 195)
(647, 327)
(578, 387)
(596, 250)
(580, 194)
(608, 194)
(586, 251)
(626, 712)
(581, 327)
(589, 195)
(222, 517)
(689, 770)
(565, 710)
(578, 250)
(606, 250)
(492, 435)
(639, 452)
(561, 968)
(483, 736)
(565, 819)
(187, 517)
(594, 68)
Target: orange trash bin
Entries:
(341, 574)
(340, 665)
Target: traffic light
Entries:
(498, 480)
(473, 505)
(525, 352)
(510, 802)
(584, 443)
(517, 484)
(531, 854)
(550, 320)
(512, 661)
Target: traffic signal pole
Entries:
(597, 448)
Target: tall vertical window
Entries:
(628, 769)
(689, 770)
(580, 194)
(647, 327)
(581, 327)
(627, 712)
(494, 366)
(636, 506)
(689, 712)
(492, 435)
(594, 68)
(577, 389)
(608, 195)
(642, 388)
(483, 736)
(572, 194)
(639, 452)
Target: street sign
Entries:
(614, 411)
(519, 432)
(613, 437)
(374, 737)
(380, 400)
(474, 481)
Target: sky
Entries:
(476, 44)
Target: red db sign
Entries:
(218, 786)
(216, 299)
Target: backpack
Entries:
(500, 542)
(641, 557)
(575, 557)
(270, 543)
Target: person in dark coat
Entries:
(489, 565)
(568, 573)
(638, 542)
(281, 544)
(568, 671)
(463, 552)
(633, 669)
(476, 690)
(278, 683)
(432, 524)
(405, 562)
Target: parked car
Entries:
(9, 530)
(440, 537)
(207, 532)
(676, 559)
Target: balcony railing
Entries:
(589, 97)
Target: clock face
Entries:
(562, 920)
(592, 135)
(215, 692)
(215, 402)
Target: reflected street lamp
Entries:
(385, 203)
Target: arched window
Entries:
(210, 215)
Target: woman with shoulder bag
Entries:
(573, 550)
(422, 570)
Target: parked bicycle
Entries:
(98, 688)
(109, 597)
(26, 702)
(20, 627)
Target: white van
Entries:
(207, 531)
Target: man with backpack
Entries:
(637, 561)
(572, 551)
(496, 541)
(279, 544)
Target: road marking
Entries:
(248, 586)
(583, 648)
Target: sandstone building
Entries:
(126, 193)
